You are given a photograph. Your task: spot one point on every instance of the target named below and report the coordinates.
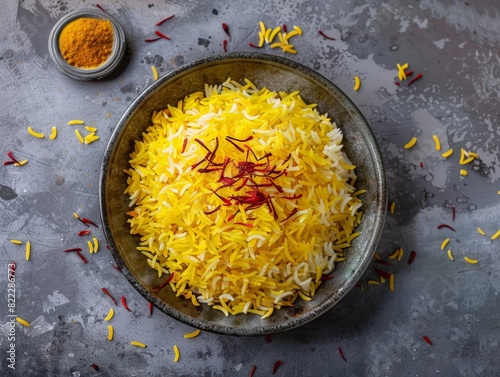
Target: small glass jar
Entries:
(93, 73)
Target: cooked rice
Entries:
(235, 259)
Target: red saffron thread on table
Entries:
(421, 165)
(417, 77)
(161, 35)
(320, 32)
(107, 247)
(226, 29)
(152, 39)
(94, 365)
(453, 213)
(101, 9)
(409, 73)
(124, 303)
(164, 20)
(150, 305)
(269, 338)
(413, 254)
(397, 83)
(284, 28)
(277, 365)
(326, 277)
(427, 340)
(253, 45)
(82, 257)
(252, 372)
(87, 221)
(224, 45)
(107, 293)
(83, 232)
(445, 226)
(342, 354)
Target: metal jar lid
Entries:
(97, 73)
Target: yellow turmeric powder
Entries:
(87, 42)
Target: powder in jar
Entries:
(87, 42)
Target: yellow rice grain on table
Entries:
(448, 153)
(411, 143)
(23, 322)
(28, 250)
(79, 136)
(16, 242)
(444, 243)
(481, 232)
(110, 315)
(450, 255)
(177, 354)
(391, 282)
(76, 121)
(35, 134)
(241, 261)
(138, 344)
(437, 142)
(496, 235)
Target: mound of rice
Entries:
(244, 195)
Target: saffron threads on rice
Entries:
(193, 334)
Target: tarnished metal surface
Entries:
(453, 44)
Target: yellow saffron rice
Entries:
(193, 334)
(195, 222)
